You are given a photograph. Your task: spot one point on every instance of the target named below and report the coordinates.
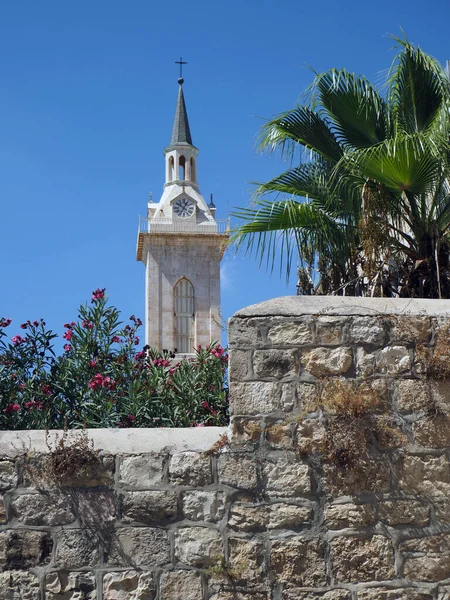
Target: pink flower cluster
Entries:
(98, 294)
(4, 322)
(34, 404)
(11, 408)
(17, 340)
(87, 325)
(161, 362)
(99, 381)
(127, 422)
(219, 352)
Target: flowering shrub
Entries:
(103, 379)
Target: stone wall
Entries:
(334, 483)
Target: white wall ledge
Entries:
(115, 441)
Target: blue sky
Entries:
(87, 99)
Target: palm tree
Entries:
(367, 210)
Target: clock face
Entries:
(184, 207)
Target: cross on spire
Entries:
(181, 62)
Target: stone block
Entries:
(392, 360)
(412, 330)
(77, 548)
(411, 395)
(197, 546)
(443, 592)
(427, 476)
(369, 476)
(280, 515)
(245, 564)
(280, 436)
(139, 547)
(310, 436)
(290, 334)
(129, 585)
(21, 549)
(181, 585)
(203, 505)
(286, 476)
(19, 585)
(433, 432)
(245, 432)
(94, 507)
(383, 593)
(357, 559)
(254, 398)
(404, 512)
(331, 330)
(308, 397)
(245, 333)
(239, 365)
(70, 586)
(42, 509)
(150, 506)
(323, 362)
(8, 475)
(426, 558)
(367, 330)
(341, 516)
(237, 470)
(275, 363)
(366, 363)
(142, 471)
(298, 561)
(190, 468)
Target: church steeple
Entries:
(181, 133)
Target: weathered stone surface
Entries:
(8, 475)
(94, 507)
(239, 365)
(150, 506)
(433, 432)
(330, 330)
(427, 558)
(190, 468)
(281, 436)
(142, 471)
(129, 585)
(203, 505)
(42, 509)
(290, 334)
(426, 475)
(322, 362)
(248, 517)
(239, 595)
(181, 585)
(310, 436)
(296, 594)
(19, 585)
(404, 512)
(275, 363)
(254, 398)
(3, 518)
(414, 330)
(286, 476)
(380, 593)
(442, 510)
(393, 360)
(21, 549)
(245, 332)
(69, 586)
(369, 476)
(341, 516)
(298, 561)
(308, 396)
(361, 559)
(440, 394)
(140, 546)
(244, 431)
(411, 395)
(77, 548)
(366, 330)
(237, 470)
(197, 546)
(245, 561)
(365, 363)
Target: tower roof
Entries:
(181, 134)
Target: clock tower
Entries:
(181, 244)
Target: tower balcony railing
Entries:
(164, 225)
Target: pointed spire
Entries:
(181, 133)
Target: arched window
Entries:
(193, 170)
(182, 168)
(184, 316)
(171, 168)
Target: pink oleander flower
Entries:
(205, 404)
(92, 363)
(68, 335)
(17, 340)
(11, 408)
(115, 339)
(98, 294)
(46, 389)
(67, 347)
(4, 322)
(87, 325)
